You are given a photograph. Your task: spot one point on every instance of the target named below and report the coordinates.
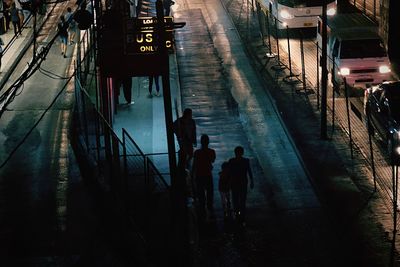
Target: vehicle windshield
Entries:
(394, 100)
(303, 3)
(362, 48)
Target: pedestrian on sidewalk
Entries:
(20, 13)
(6, 11)
(224, 187)
(167, 6)
(203, 160)
(69, 17)
(14, 13)
(156, 80)
(239, 172)
(185, 130)
(63, 32)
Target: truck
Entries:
(355, 50)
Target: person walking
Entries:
(203, 160)
(239, 172)
(69, 18)
(185, 130)
(156, 80)
(14, 13)
(224, 187)
(63, 32)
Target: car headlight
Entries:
(384, 69)
(396, 150)
(344, 71)
(286, 14)
(331, 11)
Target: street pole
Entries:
(324, 73)
(34, 34)
(167, 94)
(177, 199)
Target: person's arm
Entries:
(213, 156)
(194, 133)
(250, 174)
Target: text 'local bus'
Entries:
(297, 13)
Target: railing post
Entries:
(318, 65)
(278, 66)
(371, 148)
(269, 54)
(348, 115)
(303, 64)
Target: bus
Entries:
(297, 13)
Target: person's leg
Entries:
(150, 85)
(19, 26)
(156, 78)
(235, 200)
(210, 194)
(127, 87)
(15, 27)
(201, 196)
(224, 202)
(242, 204)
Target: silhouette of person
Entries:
(202, 171)
(63, 32)
(239, 170)
(126, 83)
(185, 131)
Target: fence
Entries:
(121, 168)
(293, 56)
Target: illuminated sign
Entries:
(141, 35)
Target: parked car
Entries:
(382, 108)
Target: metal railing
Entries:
(121, 169)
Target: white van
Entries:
(355, 50)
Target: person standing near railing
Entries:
(185, 131)
(69, 18)
(63, 32)
(15, 19)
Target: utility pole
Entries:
(164, 62)
(324, 73)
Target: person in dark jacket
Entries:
(63, 32)
(14, 14)
(203, 160)
(185, 131)
(239, 172)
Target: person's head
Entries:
(224, 165)
(204, 140)
(239, 151)
(69, 9)
(187, 113)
